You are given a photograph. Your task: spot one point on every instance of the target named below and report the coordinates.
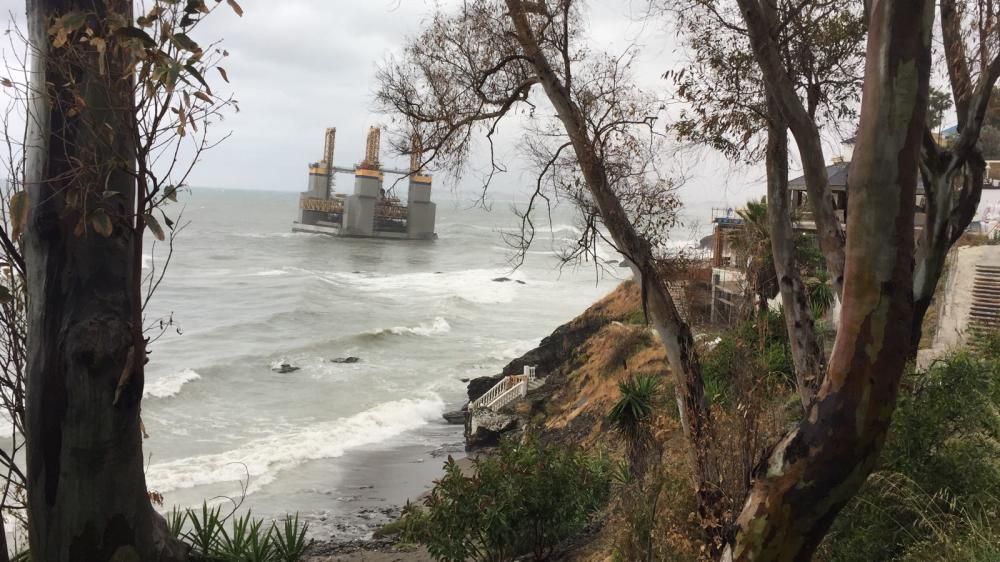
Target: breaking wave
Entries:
(262, 459)
(169, 385)
(437, 327)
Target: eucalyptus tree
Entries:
(591, 132)
(111, 98)
(727, 107)
(818, 466)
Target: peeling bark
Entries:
(807, 355)
(816, 468)
(87, 497)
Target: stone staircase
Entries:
(510, 389)
(984, 310)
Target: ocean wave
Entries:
(437, 327)
(262, 459)
(147, 261)
(169, 385)
(513, 350)
(473, 285)
(271, 273)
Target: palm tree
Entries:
(752, 247)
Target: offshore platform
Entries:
(369, 211)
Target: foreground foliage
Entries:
(936, 495)
(525, 499)
(244, 539)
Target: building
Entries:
(369, 211)
(836, 174)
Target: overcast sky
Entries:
(299, 66)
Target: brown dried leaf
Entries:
(236, 7)
(18, 213)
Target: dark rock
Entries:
(465, 379)
(285, 368)
(481, 385)
(485, 427)
(518, 281)
(502, 279)
(345, 360)
(554, 349)
(455, 417)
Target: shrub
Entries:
(936, 495)
(757, 348)
(525, 499)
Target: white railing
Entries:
(509, 389)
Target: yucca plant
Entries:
(260, 545)
(290, 541)
(231, 545)
(632, 416)
(205, 530)
(175, 521)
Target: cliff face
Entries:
(582, 362)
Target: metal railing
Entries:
(322, 205)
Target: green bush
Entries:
(758, 348)
(525, 499)
(936, 494)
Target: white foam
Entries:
(437, 327)
(147, 261)
(271, 273)
(474, 285)
(169, 385)
(513, 350)
(262, 459)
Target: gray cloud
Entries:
(299, 66)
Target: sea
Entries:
(243, 295)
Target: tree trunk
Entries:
(949, 212)
(807, 355)
(661, 311)
(781, 89)
(819, 466)
(87, 497)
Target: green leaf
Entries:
(170, 192)
(18, 213)
(154, 227)
(136, 33)
(5, 295)
(101, 223)
(197, 75)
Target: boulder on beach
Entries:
(455, 417)
(284, 368)
(485, 427)
(345, 360)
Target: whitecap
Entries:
(262, 459)
(271, 273)
(473, 285)
(437, 327)
(169, 385)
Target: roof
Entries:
(836, 174)
(949, 132)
